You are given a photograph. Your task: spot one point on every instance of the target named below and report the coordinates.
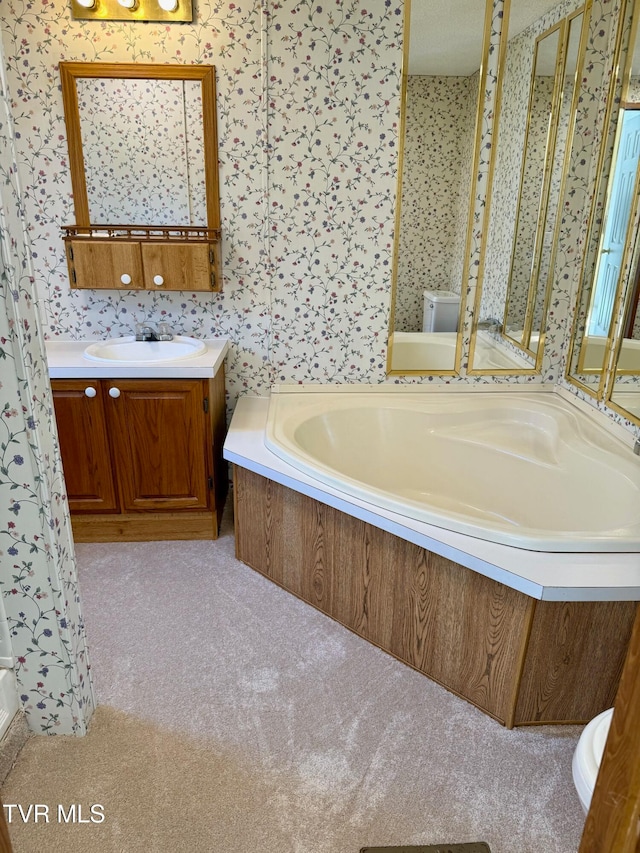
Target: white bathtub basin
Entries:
(528, 470)
(130, 351)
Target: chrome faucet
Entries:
(491, 324)
(146, 332)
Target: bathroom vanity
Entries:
(141, 445)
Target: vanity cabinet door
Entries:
(178, 266)
(105, 264)
(84, 446)
(159, 432)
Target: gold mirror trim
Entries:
(556, 97)
(486, 44)
(538, 355)
(478, 371)
(486, 47)
(616, 81)
(70, 72)
(584, 10)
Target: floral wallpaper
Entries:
(38, 574)
(141, 165)
(438, 139)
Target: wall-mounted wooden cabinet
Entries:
(142, 458)
(101, 263)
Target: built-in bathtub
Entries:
(522, 469)
(529, 636)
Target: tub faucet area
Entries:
(491, 324)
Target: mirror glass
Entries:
(625, 391)
(608, 234)
(443, 54)
(533, 138)
(143, 151)
(626, 387)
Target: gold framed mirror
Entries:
(545, 47)
(143, 158)
(445, 48)
(606, 267)
(623, 385)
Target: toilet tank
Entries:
(441, 308)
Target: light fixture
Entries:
(132, 10)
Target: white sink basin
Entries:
(128, 350)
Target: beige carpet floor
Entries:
(233, 718)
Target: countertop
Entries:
(66, 361)
(558, 576)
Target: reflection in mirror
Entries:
(595, 317)
(143, 151)
(533, 140)
(542, 285)
(443, 54)
(625, 391)
(534, 183)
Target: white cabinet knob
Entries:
(114, 392)
(158, 280)
(125, 278)
(90, 391)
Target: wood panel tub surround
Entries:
(520, 660)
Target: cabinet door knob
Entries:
(125, 278)
(158, 280)
(90, 391)
(114, 392)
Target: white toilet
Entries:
(588, 755)
(440, 312)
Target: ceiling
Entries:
(446, 35)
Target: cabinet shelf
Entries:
(143, 258)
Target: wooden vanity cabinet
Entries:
(142, 458)
(104, 264)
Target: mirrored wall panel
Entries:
(443, 55)
(534, 135)
(604, 276)
(625, 387)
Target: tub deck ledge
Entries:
(557, 576)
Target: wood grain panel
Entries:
(215, 433)
(84, 446)
(517, 659)
(159, 438)
(364, 580)
(574, 660)
(613, 822)
(100, 264)
(460, 628)
(144, 526)
(182, 266)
